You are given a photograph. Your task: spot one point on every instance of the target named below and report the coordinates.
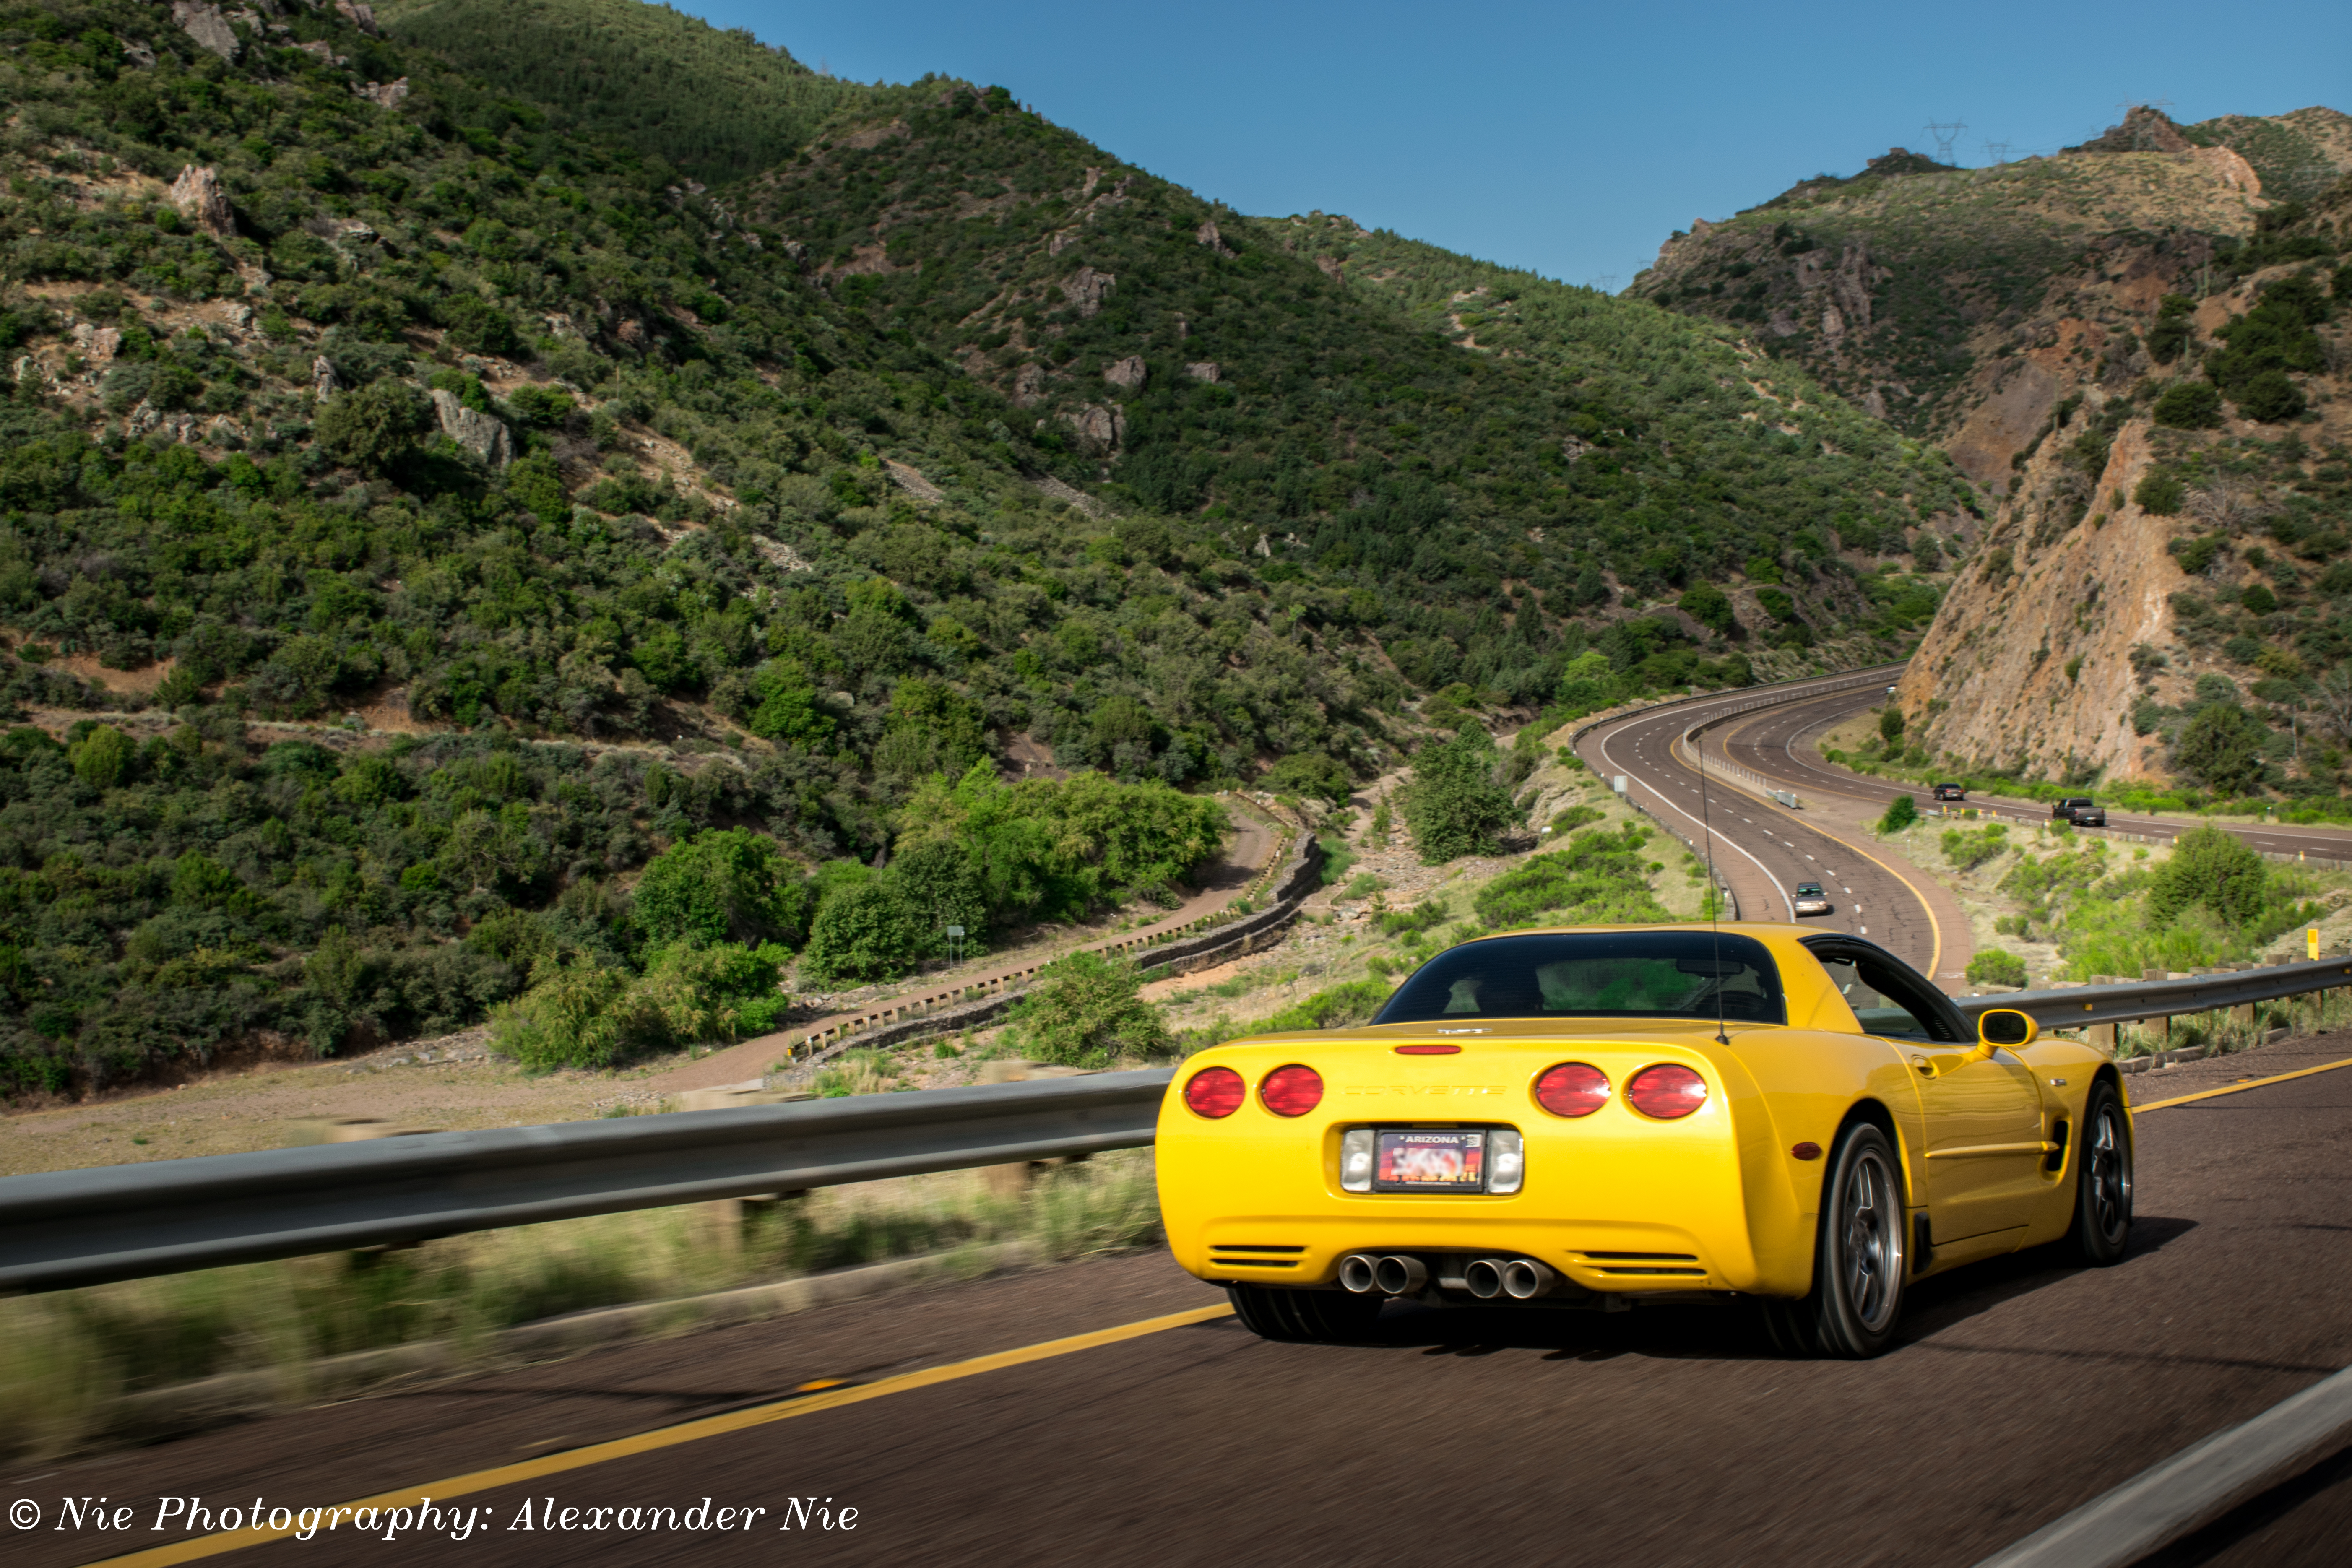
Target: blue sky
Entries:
(1570, 139)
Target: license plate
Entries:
(1430, 1162)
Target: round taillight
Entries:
(1213, 1092)
(1667, 1091)
(1572, 1088)
(1292, 1091)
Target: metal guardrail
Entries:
(2080, 1006)
(69, 1228)
(122, 1221)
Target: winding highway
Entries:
(1763, 849)
(1781, 742)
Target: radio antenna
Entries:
(1713, 892)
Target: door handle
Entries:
(1925, 1065)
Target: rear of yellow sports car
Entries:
(1527, 1159)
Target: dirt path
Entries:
(1253, 840)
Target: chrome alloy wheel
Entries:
(1870, 1234)
(2108, 1169)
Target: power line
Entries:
(1945, 132)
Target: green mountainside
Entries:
(423, 510)
(714, 105)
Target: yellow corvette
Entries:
(1604, 1116)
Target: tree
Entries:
(1890, 726)
(2222, 749)
(375, 426)
(2190, 406)
(1899, 815)
(2268, 397)
(102, 758)
(1707, 604)
(1587, 682)
(1087, 1011)
(1453, 805)
(725, 885)
(2213, 869)
(864, 931)
(941, 887)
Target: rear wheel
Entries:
(1303, 1317)
(2103, 1180)
(1858, 1293)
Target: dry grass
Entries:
(63, 1356)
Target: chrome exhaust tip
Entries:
(1357, 1272)
(1398, 1275)
(1522, 1281)
(1483, 1277)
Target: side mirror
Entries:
(2006, 1026)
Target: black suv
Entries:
(1949, 792)
(2081, 810)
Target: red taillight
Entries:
(1667, 1091)
(1213, 1092)
(1572, 1088)
(1291, 1091)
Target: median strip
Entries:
(784, 1409)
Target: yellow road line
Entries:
(1935, 929)
(671, 1436)
(2240, 1087)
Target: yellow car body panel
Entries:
(1726, 1199)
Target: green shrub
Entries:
(723, 885)
(2222, 749)
(1598, 879)
(1426, 915)
(863, 933)
(374, 428)
(2268, 397)
(1995, 966)
(1085, 1011)
(2188, 405)
(1453, 805)
(1966, 850)
(1899, 815)
(2212, 869)
(1313, 775)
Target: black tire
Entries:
(1858, 1257)
(2103, 1180)
(1303, 1317)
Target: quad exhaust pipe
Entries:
(1516, 1278)
(1363, 1274)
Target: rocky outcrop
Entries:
(1099, 429)
(2143, 129)
(2030, 660)
(478, 433)
(1207, 234)
(359, 15)
(2226, 165)
(383, 94)
(203, 22)
(1203, 370)
(1028, 386)
(198, 193)
(324, 381)
(1128, 373)
(1087, 288)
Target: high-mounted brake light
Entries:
(1214, 1093)
(1572, 1088)
(1293, 1091)
(1667, 1092)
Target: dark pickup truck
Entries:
(1949, 792)
(2081, 810)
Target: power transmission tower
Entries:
(1998, 151)
(1945, 132)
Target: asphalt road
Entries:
(1763, 853)
(1782, 742)
(1659, 1437)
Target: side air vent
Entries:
(1641, 1257)
(1248, 1255)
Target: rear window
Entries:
(1597, 974)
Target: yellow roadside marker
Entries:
(2240, 1087)
(833, 1398)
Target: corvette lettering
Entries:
(1429, 1088)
